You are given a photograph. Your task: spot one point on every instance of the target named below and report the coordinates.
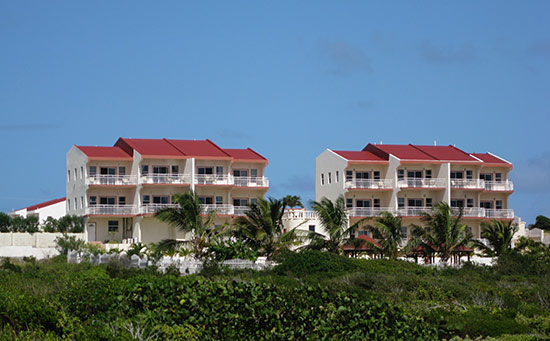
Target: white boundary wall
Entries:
(36, 240)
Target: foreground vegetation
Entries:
(310, 295)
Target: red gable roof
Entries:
(447, 153)
(360, 156)
(247, 155)
(151, 148)
(105, 153)
(403, 152)
(199, 148)
(44, 204)
(492, 160)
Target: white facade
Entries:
(54, 208)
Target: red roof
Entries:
(44, 204)
(247, 155)
(492, 160)
(199, 148)
(403, 152)
(150, 148)
(105, 152)
(368, 244)
(447, 153)
(359, 156)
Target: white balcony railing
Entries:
(422, 183)
(240, 210)
(299, 214)
(153, 208)
(369, 211)
(496, 214)
(111, 210)
(499, 185)
(413, 211)
(115, 180)
(213, 179)
(470, 212)
(369, 184)
(220, 208)
(170, 179)
(468, 183)
(251, 181)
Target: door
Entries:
(90, 228)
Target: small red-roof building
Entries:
(407, 180)
(119, 188)
(54, 208)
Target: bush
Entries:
(67, 243)
(315, 262)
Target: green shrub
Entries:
(315, 262)
(66, 243)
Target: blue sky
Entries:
(286, 78)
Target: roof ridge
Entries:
(219, 148)
(170, 143)
(420, 150)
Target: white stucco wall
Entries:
(329, 161)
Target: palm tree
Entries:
(334, 219)
(387, 231)
(499, 236)
(262, 227)
(442, 234)
(187, 217)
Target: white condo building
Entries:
(119, 188)
(409, 179)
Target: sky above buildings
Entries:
(287, 78)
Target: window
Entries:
(376, 203)
(457, 175)
(486, 177)
(219, 200)
(107, 201)
(68, 175)
(486, 204)
(469, 174)
(113, 226)
(240, 173)
(122, 200)
(349, 175)
(82, 172)
(362, 175)
(160, 169)
(498, 177)
(75, 204)
(253, 201)
(107, 170)
(400, 202)
(457, 203)
(93, 200)
(93, 170)
(404, 232)
(362, 203)
(400, 174)
(82, 202)
(146, 200)
(75, 173)
(414, 174)
(337, 176)
(414, 203)
(349, 203)
(376, 175)
(206, 170)
(312, 228)
(429, 202)
(254, 172)
(428, 173)
(322, 179)
(240, 202)
(68, 204)
(329, 177)
(145, 169)
(175, 169)
(206, 200)
(362, 233)
(121, 170)
(498, 204)
(469, 202)
(219, 170)
(161, 199)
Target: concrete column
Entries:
(193, 171)
(137, 229)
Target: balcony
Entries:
(422, 183)
(369, 184)
(240, 210)
(506, 186)
(165, 179)
(212, 179)
(474, 212)
(219, 208)
(499, 214)
(112, 180)
(369, 211)
(468, 184)
(413, 211)
(153, 208)
(250, 181)
(114, 210)
(299, 214)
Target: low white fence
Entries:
(37, 239)
(185, 265)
